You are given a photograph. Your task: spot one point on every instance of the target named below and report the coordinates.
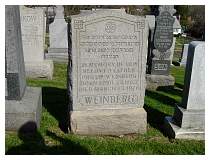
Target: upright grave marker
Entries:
(58, 50)
(33, 36)
(23, 104)
(188, 121)
(109, 51)
(163, 40)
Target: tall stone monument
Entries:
(188, 121)
(58, 50)
(163, 40)
(109, 50)
(33, 39)
(22, 104)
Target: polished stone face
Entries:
(109, 60)
(33, 32)
(164, 32)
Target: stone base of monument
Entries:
(43, 69)
(186, 124)
(26, 112)
(155, 81)
(109, 121)
(57, 54)
(176, 132)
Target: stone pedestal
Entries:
(186, 124)
(188, 121)
(109, 121)
(41, 69)
(28, 109)
(155, 81)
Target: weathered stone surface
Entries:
(176, 132)
(155, 81)
(103, 50)
(23, 104)
(184, 55)
(163, 37)
(14, 61)
(33, 33)
(194, 82)
(109, 121)
(189, 117)
(28, 109)
(58, 37)
(109, 61)
(33, 36)
(40, 69)
(163, 42)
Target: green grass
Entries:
(52, 138)
(180, 41)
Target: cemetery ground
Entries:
(52, 138)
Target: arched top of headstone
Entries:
(110, 13)
(169, 8)
(59, 12)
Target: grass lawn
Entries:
(178, 46)
(52, 138)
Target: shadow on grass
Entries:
(178, 85)
(55, 100)
(176, 63)
(170, 90)
(33, 143)
(162, 98)
(156, 118)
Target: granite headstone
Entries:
(58, 50)
(188, 121)
(22, 104)
(159, 63)
(109, 51)
(33, 37)
(163, 40)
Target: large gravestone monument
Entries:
(189, 117)
(109, 51)
(184, 55)
(23, 104)
(58, 50)
(33, 37)
(163, 40)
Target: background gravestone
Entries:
(58, 50)
(184, 55)
(23, 104)
(188, 121)
(163, 39)
(109, 51)
(33, 37)
(172, 50)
